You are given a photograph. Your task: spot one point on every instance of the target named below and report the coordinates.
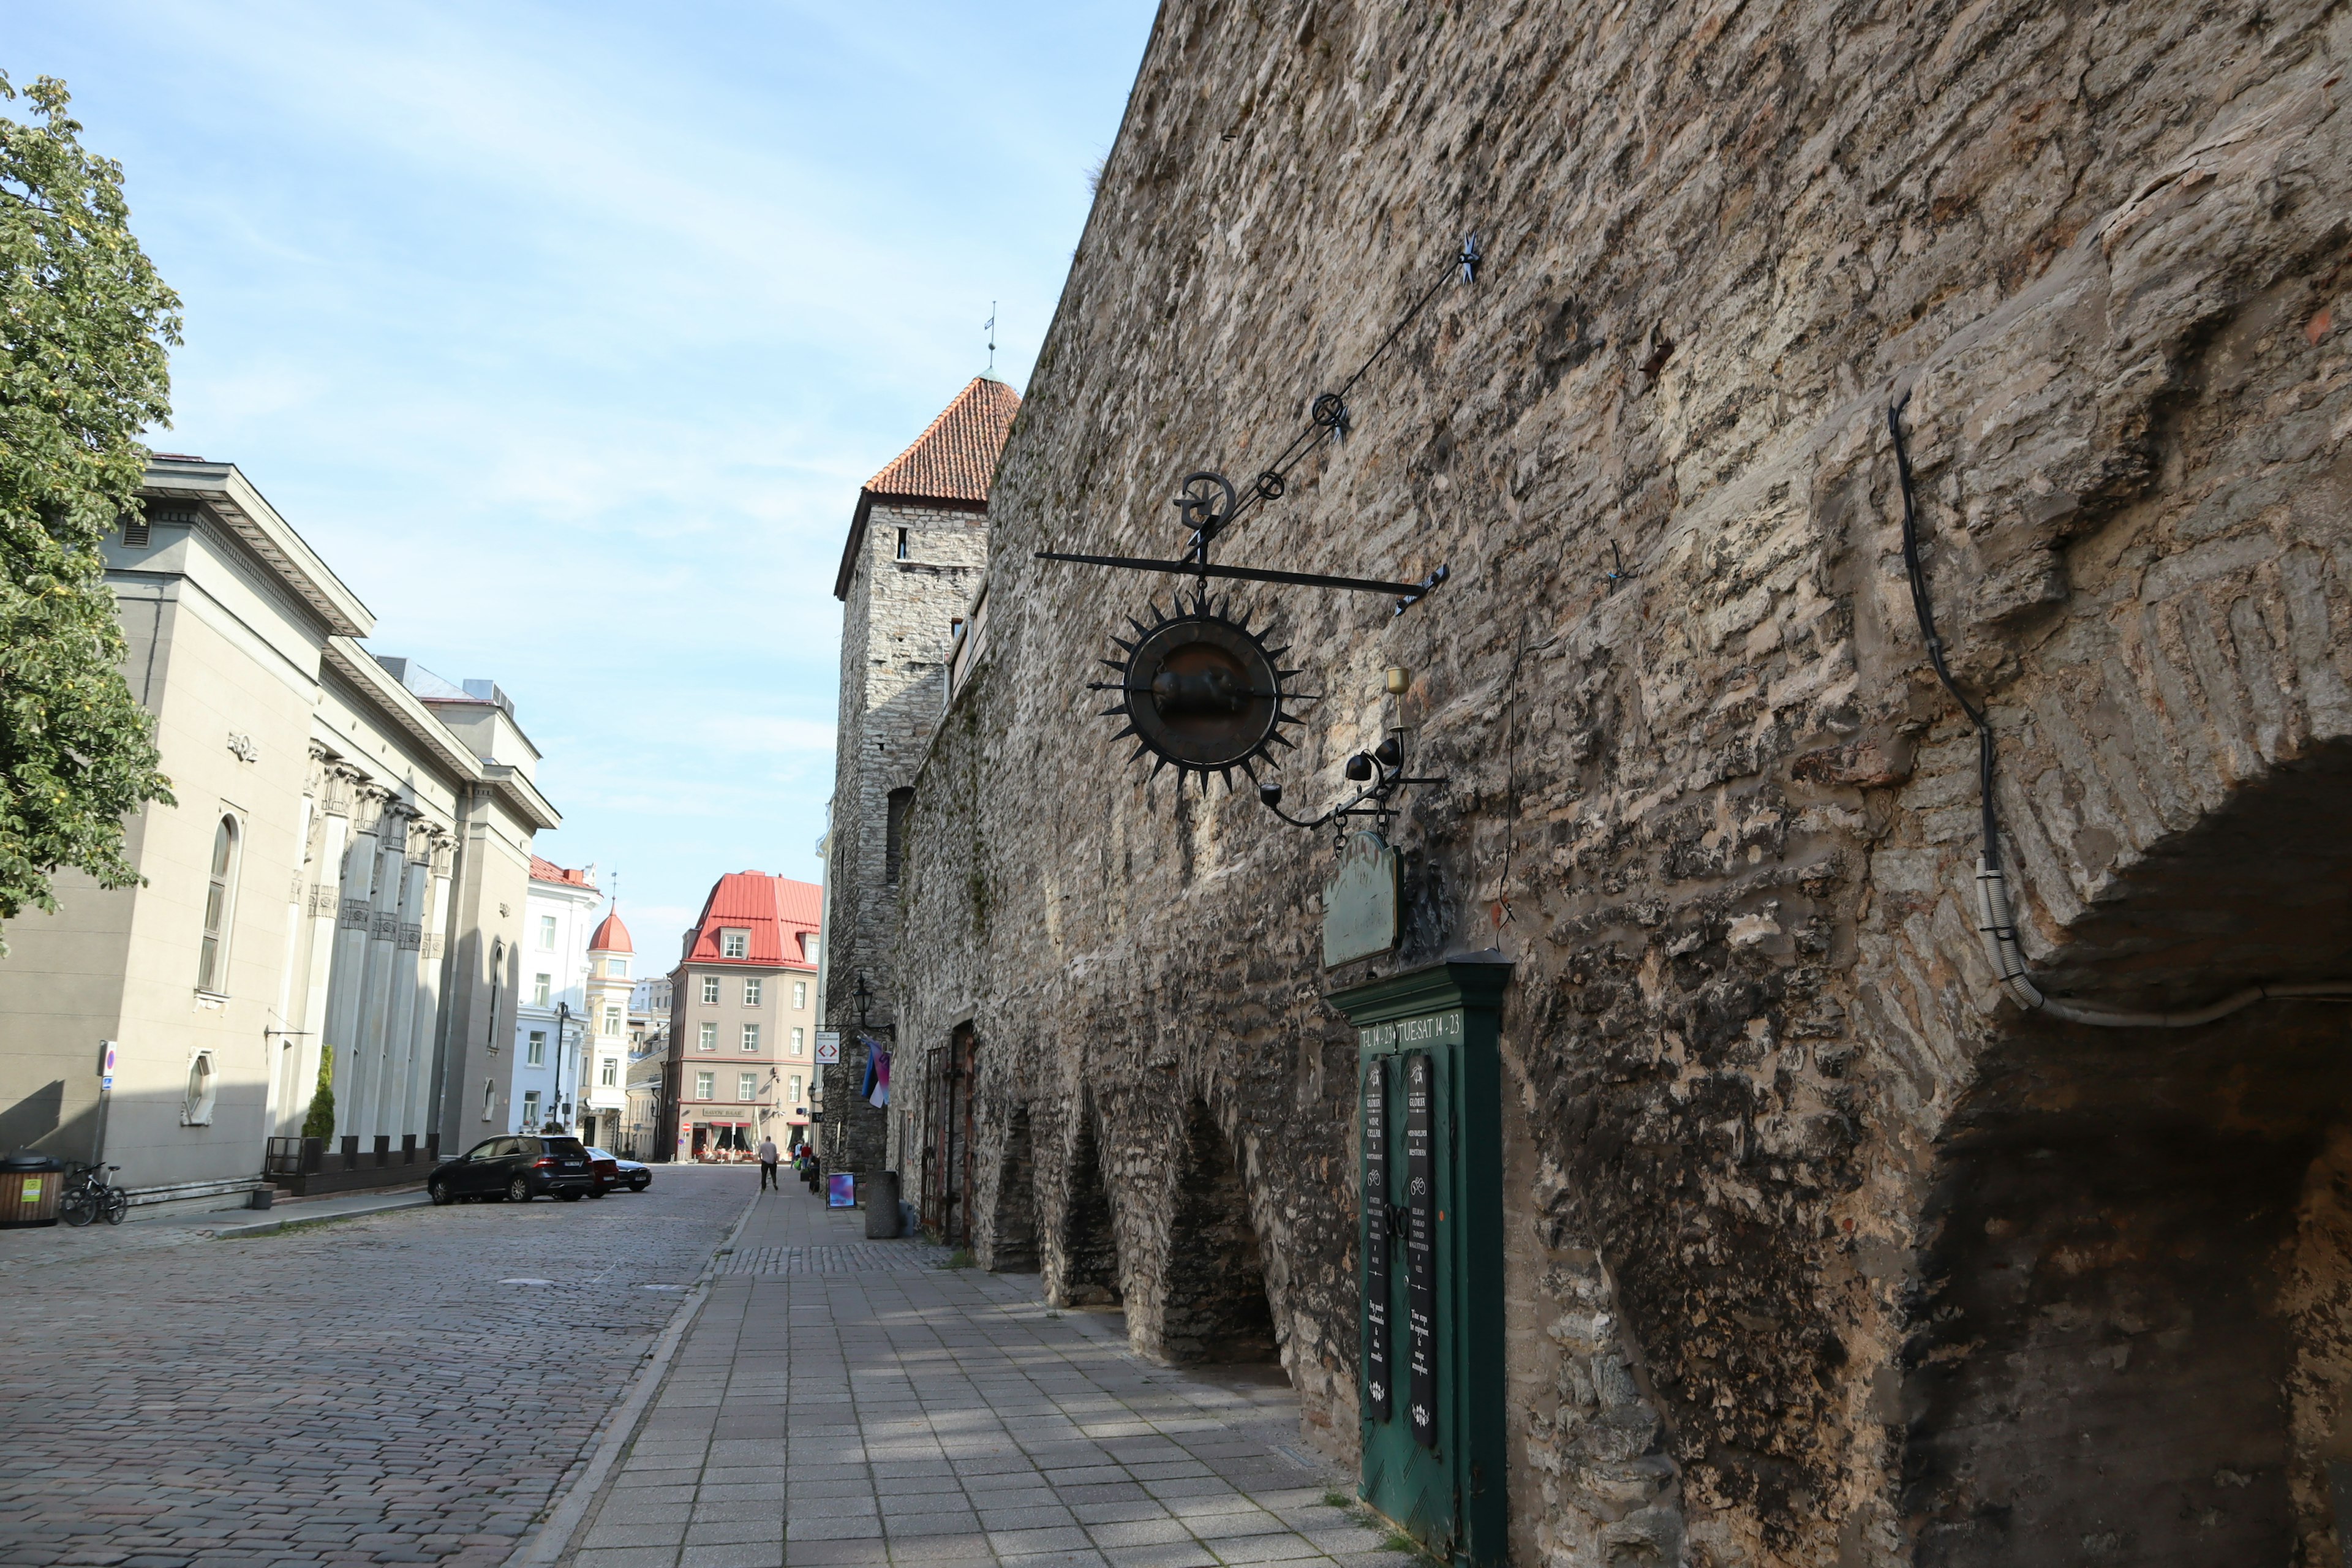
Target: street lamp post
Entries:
(555, 1092)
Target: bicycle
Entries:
(88, 1194)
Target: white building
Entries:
(552, 1016)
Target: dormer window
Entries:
(734, 944)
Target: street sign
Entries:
(828, 1047)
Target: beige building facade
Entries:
(337, 884)
(743, 1019)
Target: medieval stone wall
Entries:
(1827, 1253)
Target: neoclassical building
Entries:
(333, 903)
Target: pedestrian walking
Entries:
(768, 1158)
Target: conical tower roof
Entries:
(951, 464)
(611, 935)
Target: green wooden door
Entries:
(1430, 1264)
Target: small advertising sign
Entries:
(841, 1190)
(828, 1047)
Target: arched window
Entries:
(212, 964)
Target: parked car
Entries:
(517, 1168)
(625, 1172)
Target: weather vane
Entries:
(991, 337)
(1198, 687)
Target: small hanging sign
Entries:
(1361, 905)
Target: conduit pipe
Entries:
(1995, 919)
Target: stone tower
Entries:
(917, 546)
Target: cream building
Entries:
(603, 1096)
(743, 1019)
(339, 883)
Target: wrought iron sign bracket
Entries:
(1381, 774)
(1198, 687)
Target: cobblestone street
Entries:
(411, 1387)
(840, 1401)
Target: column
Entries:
(349, 975)
(400, 1017)
(383, 953)
(331, 832)
(426, 1025)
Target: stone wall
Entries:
(1828, 1252)
(894, 645)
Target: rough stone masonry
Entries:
(1823, 1251)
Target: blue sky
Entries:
(566, 333)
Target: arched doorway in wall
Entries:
(2132, 1335)
(1012, 1231)
(949, 1160)
(1081, 1262)
(1214, 1304)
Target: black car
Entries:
(627, 1173)
(518, 1168)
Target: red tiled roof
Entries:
(956, 458)
(772, 911)
(611, 935)
(951, 464)
(549, 871)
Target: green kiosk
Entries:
(1430, 1243)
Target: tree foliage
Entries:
(83, 324)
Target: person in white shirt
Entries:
(768, 1158)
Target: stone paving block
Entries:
(636, 1534)
(851, 1506)
(1251, 1522)
(627, 1557)
(1138, 1532)
(1161, 1554)
(735, 1554)
(865, 1528)
(1054, 1538)
(944, 1522)
(1033, 1516)
(715, 1511)
(721, 1532)
(1120, 1512)
(835, 1555)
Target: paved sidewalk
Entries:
(844, 1403)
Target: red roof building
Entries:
(549, 871)
(754, 919)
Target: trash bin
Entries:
(881, 1193)
(30, 1185)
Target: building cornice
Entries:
(225, 492)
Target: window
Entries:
(546, 933)
(750, 993)
(894, 833)
(709, 1040)
(611, 1077)
(212, 962)
(747, 1086)
(490, 1098)
(902, 544)
(135, 531)
(734, 944)
(705, 1084)
(534, 1050)
(541, 986)
(751, 1036)
(197, 1109)
(711, 989)
(796, 1094)
(800, 996)
(810, 942)
(799, 1049)
(611, 1019)
(531, 1108)
(617, 968)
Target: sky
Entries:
(567, 334)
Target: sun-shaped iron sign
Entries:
(1199, 689)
